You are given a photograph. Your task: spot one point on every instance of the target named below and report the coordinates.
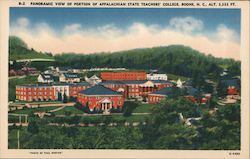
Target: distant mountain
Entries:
(18, 49)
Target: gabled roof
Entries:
(94, 77)
(165, 91)
(99, 90)
(71, 75)
(47, 76)
(148, 84)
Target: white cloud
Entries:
(22, 22)
(186, 24)
(72, 28)
(223, 33)
(76, 38)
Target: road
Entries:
(85, 114)
(36, 59)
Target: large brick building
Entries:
(45, 92)
(100, 98)
(136, 88)
(28, 92)
(160, 95)
(123, 76)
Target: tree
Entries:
(65, 98)
(128, 108)
(220, 130)
(221, 88)
(33, 127)
(59, 96)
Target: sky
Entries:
(92, 30)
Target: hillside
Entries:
(18, 50)
(175, 59)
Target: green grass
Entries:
(70, 110)
(176, 77)
(132, 118)
(144, 108)
(12, 136)
(37, 102)
(32, 110)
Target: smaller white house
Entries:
(63, 69)
(93, 79)
(45, 78)
(157, 77)
(69, 77)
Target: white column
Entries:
(26, 118)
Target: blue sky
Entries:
(62, 24)
(88, 17)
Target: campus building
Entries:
(158, 96)
(69, 77)
(45, 78)
(136, 88)
(100, 98)
(33, 92)
(45, 92)
(123, 76)
(190, 93)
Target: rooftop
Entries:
(133, 81)
(47, 76)
(165, 91)
(99, 90)
(71, 75)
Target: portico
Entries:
(106, 105)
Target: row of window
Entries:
(34, 93)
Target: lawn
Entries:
(132, 118)
(144, 108)
(176, 77)
(12, 137)
(32, 110)
(115, 118)
(68, 110)
(37, 102)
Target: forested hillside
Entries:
(18, 49)
(175, 59)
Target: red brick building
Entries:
(75, 88)
(35, 92)
(135, 88)
(123, 76)
(191, 95)
(100, 98)
(158, 96)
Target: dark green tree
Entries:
(33, 127)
